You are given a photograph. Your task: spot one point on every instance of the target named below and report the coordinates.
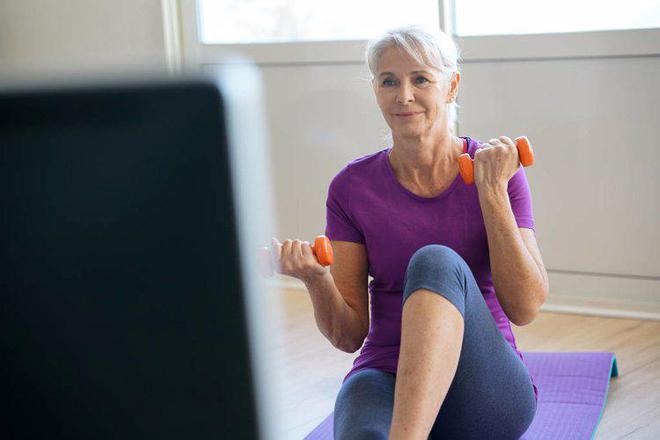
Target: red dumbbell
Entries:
(525, 153)
(322, 251)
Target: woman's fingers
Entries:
(507, 141)
(289, 256)
(276, 254)
(296, 251)
(484, 147)
(286, 250)
(295, 258)
(495, 161)
(301, 250)
(276, 248)
(306, 249)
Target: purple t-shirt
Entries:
(366, 204)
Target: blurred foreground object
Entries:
(127, 298)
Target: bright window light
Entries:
(515, 17)
(270, 21)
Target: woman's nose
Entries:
(405, 94)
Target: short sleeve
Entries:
(521, 199)
(340, 224)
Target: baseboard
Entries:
(605, 307)
(576, 294)
(603, 295)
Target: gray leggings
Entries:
(491, 396)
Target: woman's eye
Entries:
(388, 82)
(421, 80)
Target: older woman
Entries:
(452, 265)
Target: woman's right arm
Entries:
(340, 297)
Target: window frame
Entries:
(591, 44)
(196, 53)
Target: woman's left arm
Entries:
(519, 276)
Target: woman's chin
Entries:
(407, 133)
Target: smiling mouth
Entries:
(407, 114)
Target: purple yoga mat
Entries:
(572, 393)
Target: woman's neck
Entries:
(425, 162)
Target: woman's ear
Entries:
(453, 86)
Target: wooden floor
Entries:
(311, 369)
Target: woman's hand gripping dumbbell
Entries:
(525, 155)
(297, 258)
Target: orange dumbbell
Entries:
(322, 251)
(525, 153)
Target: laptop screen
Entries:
(123, 308)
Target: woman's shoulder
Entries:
(368, 159)
(363, 165)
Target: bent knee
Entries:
(440, 269)
(435, 259)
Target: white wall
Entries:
(593, 122)
(56, 38)
(594, 185)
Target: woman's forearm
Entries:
(518, 280)
(336, 320)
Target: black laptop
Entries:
(122, 292)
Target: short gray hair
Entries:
(431, 48)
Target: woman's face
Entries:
(412, 97)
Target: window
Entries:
(516, 17)
(334, 31)
(271, 21)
